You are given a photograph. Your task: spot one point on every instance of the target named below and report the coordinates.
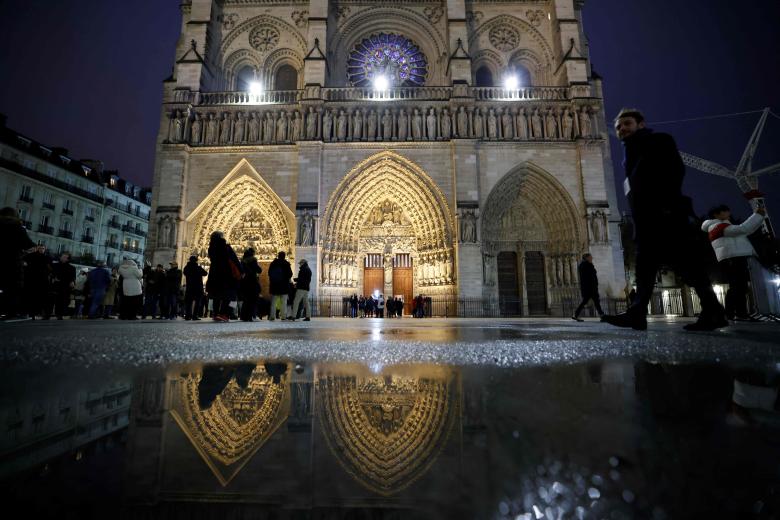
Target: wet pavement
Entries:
(341, 418)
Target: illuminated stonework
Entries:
(238, 422)
(387, 430)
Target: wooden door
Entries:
(373, 274)
(403, 280)
(535, 286)
(508, 286)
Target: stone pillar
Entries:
(191, 71)
(388, 275)
(460, 63)
(570, 43)
(314, 68)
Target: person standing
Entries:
(63, 279)
(37, 272)
(589, 286)
(132, 290)
(79, 290)
(279, 274)
(110, 297)
(380, 306)
(224, 275)
(99, 279)
(193, 293)
(250, 285)
(15, 243)
(664, 231)
(732, 248)
(302, 287)
(154, 287)
(172, 288)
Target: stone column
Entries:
(459, 63)
(388, 275)
(314, 69)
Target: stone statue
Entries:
(254, 129)
(446, 124)
(387, 125)
(239, 132)
(506, 124)
(463, 123)
(176, 128)
(551, 126)
(307, 229)
(536, 125)
(372, 126)
(488, 272)
(430, 123)
(297, 127)
(492, 125)
(468, 230)
(166, 232)
(341, 126)
(416, 125)
(585, 123)
(479, 124)
(311, 124)
(224, 128)
(195, 131)
(281, 128)
(327, 125)
(567, 121)
(357, 125)
(403, 125)
(211, 130)
(270, 128)
(522, 124)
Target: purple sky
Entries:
(87, 75)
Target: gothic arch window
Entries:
(395, 57)
(286, 78)
(244, 77)
(524, 78)
(484, 77)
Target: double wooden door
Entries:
(403, 280)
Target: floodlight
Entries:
(381, 82)
(511, 83)
(255, 88)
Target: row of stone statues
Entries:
(597, 227)
(434, 269)
(390, 124)
(561, 270)
(341, 269)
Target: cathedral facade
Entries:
(446, 148)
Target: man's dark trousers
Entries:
(585, 299)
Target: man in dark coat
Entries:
(302, 287)
(154, 288)
(63, 277)
(15, 244)
(172, 288)
(224, 274)
(589, 286)
(98, 279)
(665, 231)
(37, 271)
(193, 275)
(279, 274)
(249, 287)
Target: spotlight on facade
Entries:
(255, 88)
(381, 83)
(511, 82)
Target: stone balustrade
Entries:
(520, 94)
(266, 97)
(391, 94)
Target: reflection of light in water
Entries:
(376, 334)
(376, 367)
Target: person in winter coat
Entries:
(302, 286)
(110, 297)
(279, 274)
(589, 286)
(732, 248)
(663, 223)
(224, 275)
(250, 285)
(132, 290)
(79, 290)
(15, 244)
(99, 279)
(37, 271)
(193, 294)
(63, 278)
(172, 288)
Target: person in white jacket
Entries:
(732, 248)
(132, 289)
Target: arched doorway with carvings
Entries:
(532, 236)
(387, 228)
(245, 208)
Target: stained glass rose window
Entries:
(395, 57)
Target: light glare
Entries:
(381, 83)
(511, 83)
(255, 88)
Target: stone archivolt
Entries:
(420, 208)
(248, 212)
(237, 424)
(386, 431)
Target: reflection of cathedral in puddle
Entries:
(263, 431)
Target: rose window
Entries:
(394, 57)
(504, 37)
(264, 38)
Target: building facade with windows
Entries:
(70, 205)
(454, 149)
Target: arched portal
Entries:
(532, 235)
(248, 212)
(387, 214)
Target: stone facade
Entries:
(480, 170)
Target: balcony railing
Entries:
(47, 205)
(113, 245)
(66, 211)
(391, 94)
(87, 239)
(26, 198)
(65, 234)
(521, 94)
(278, 97)
(115, 225)
(134, 230)
(132, 249)
(89, 218)
(45, 229)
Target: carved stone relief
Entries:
(504, 37)
(264, 38)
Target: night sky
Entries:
(87, 75)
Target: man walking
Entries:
(664, 232)
(589, 286)
(733, 249)
(279, 274)
(302, 285)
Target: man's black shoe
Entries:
(306, 319)
(707, 324)
(626, 320)
(577, 318)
